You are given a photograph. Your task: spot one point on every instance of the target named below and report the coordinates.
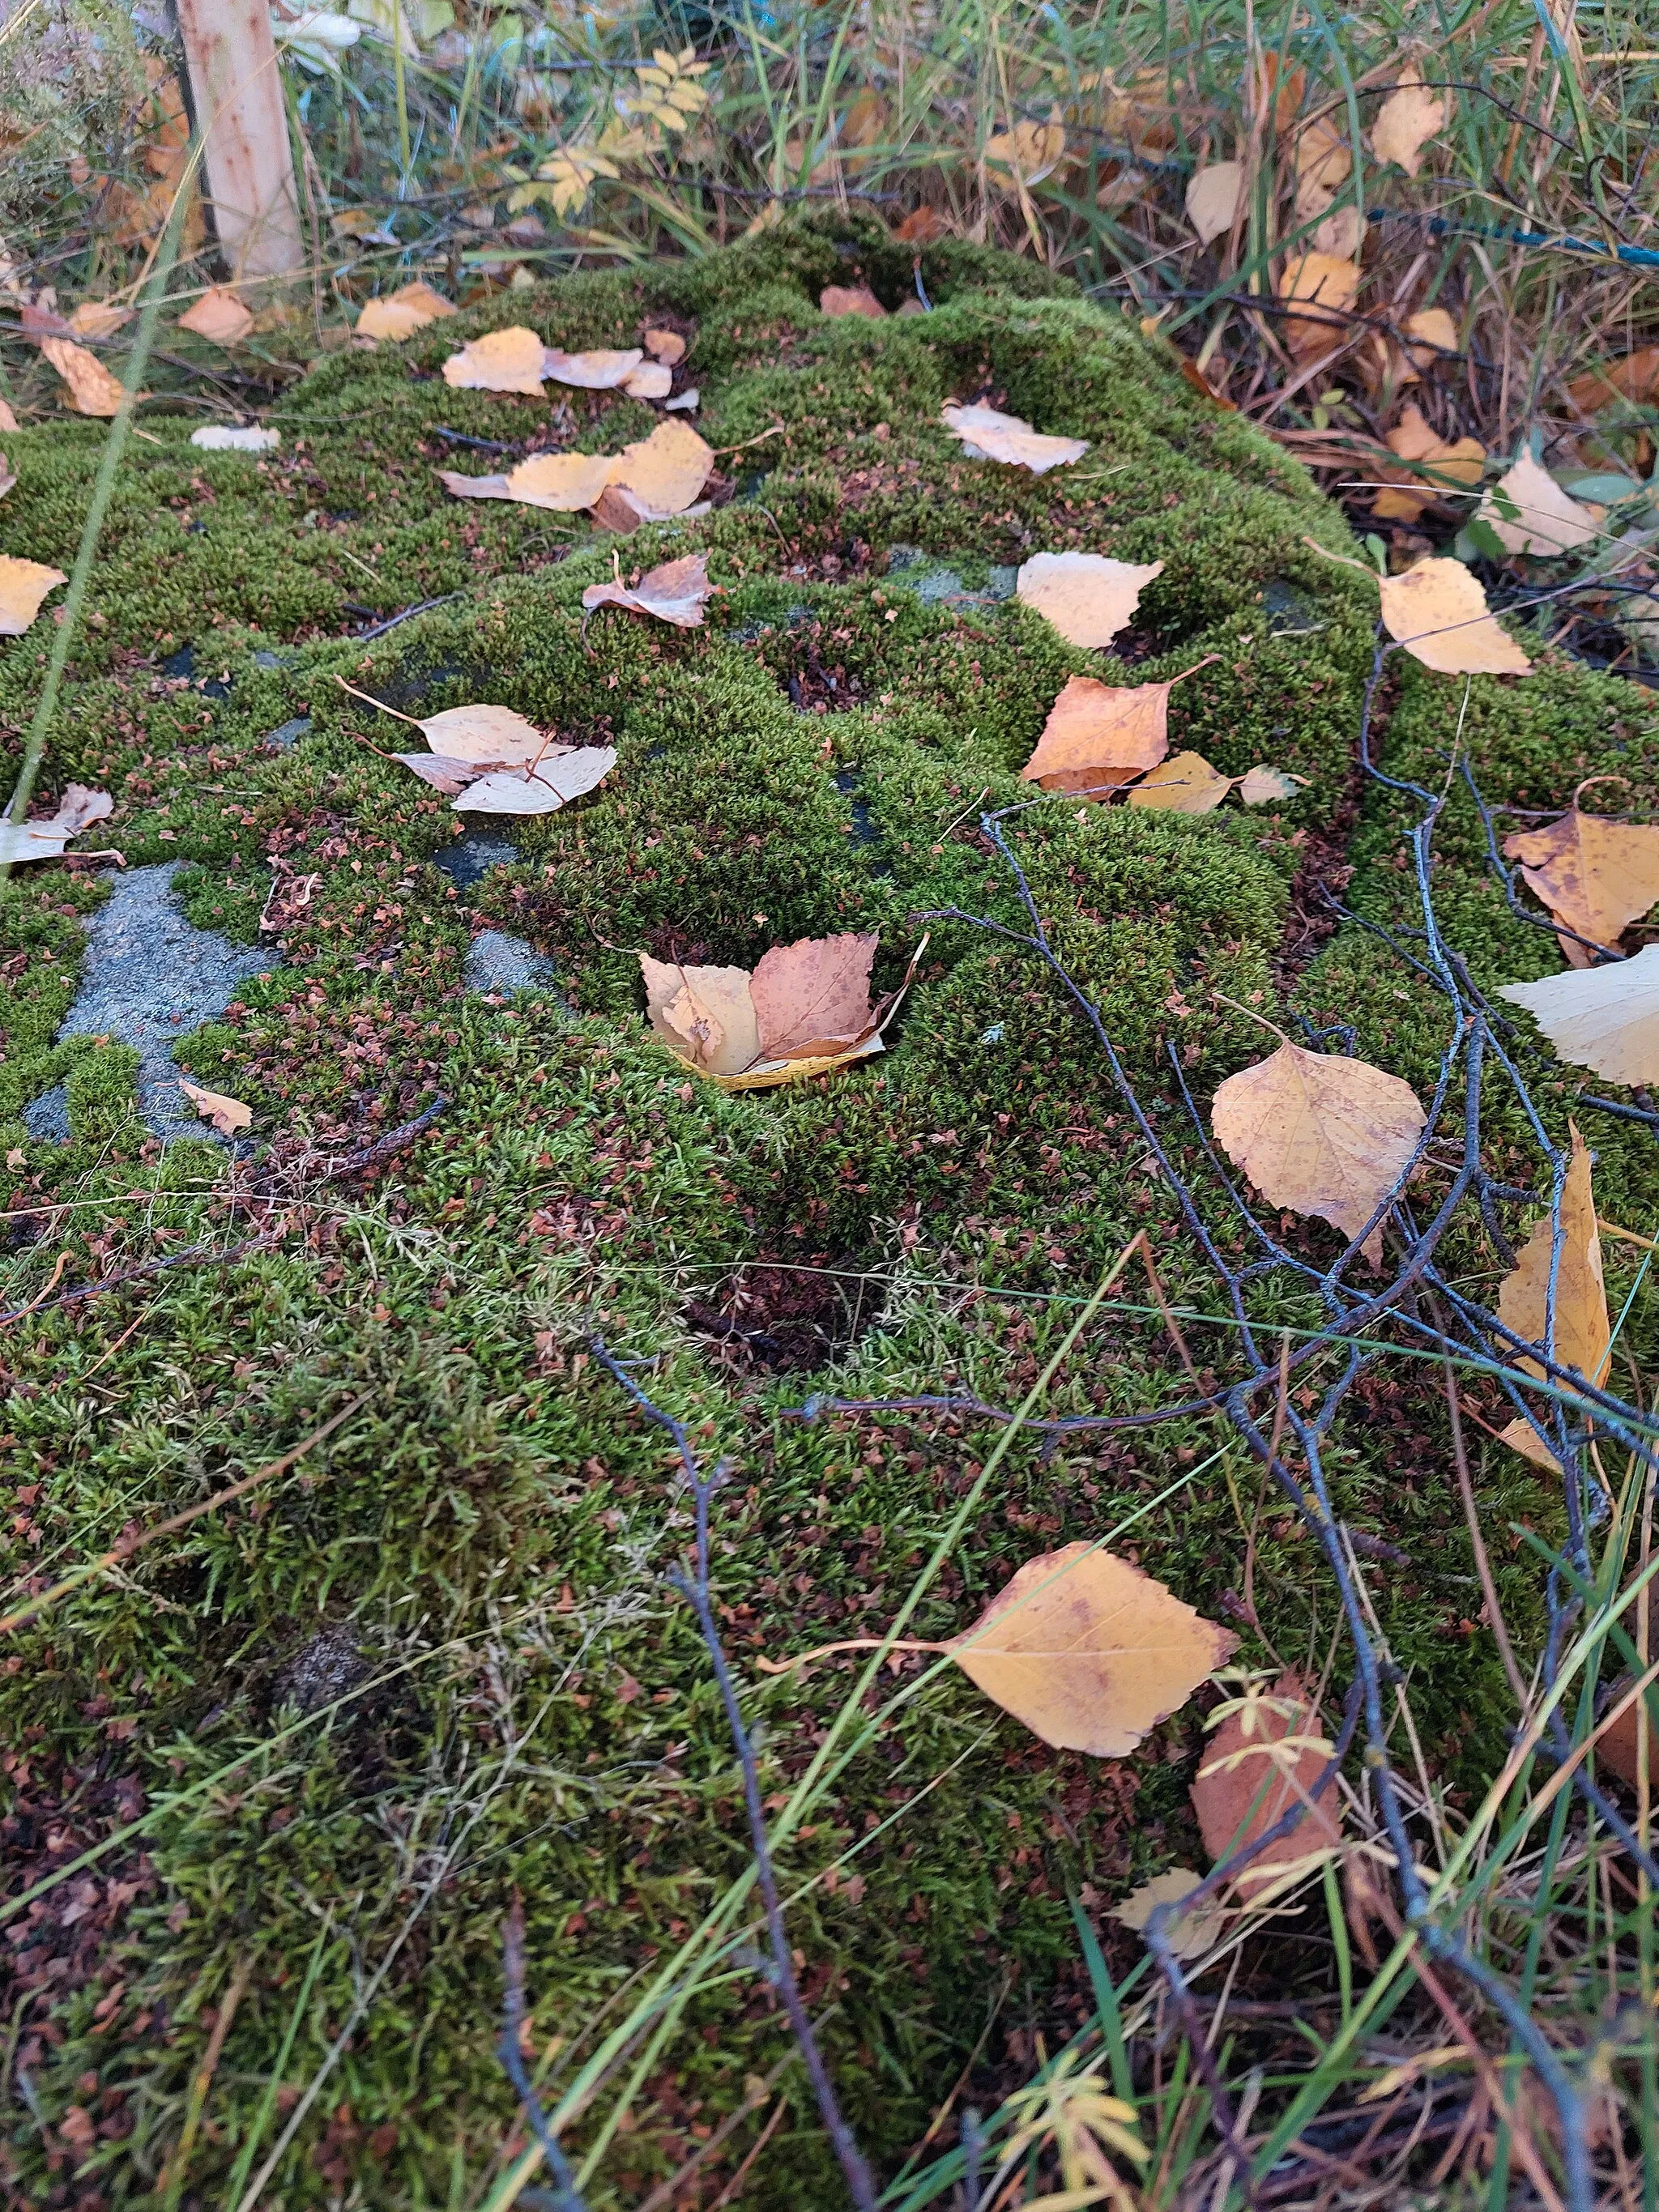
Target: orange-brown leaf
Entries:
(1595, 876)
(813, 997)
(851, 299)
(1262, 1760)
(1098, 735)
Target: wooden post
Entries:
(237, 95)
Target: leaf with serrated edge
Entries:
(1260, 1763)
(1088, 597)
(664, 472)
(1320, 1134)
(1595, 876)
(1437, 610)
(988, 434)
(226, 1115)
(707, 1014)
(500, 361)
(1547, 521)
(558, 778)
(1261, 786)
(1183, 784)
(677, 592)
(495, 734)
(812, 998)
(1100, 735)
(1089, 1651)
(1213, 198)
(1406, 120)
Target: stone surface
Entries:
(289, 733)
(498, 963)
(474, 855)
(933, 582)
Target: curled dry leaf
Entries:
(402, 312)
(99, 318)
(805, 1009)
(226, 1115)
(651, 380)
(1603, 1019)
(92, 389)
(1100, 735)
(1583, 1339)
(565, 483)
(1090, 1651)
(988, 434)
(1329, 286)
(1635, 377)
(1086, 596)
(1595, 876)
(1261, 786)
(1437, 610)
(1189, 1933)
(23, 585)
(837, 300)
(1531, 513)
(1320, 1134)
(1262, 1760)
(561, 774)
(1183, 784)
(494, 760)
(221, 438)
(501, 360)
(677, 592)
(46, 840)
(666, 345)
(1213, 198)
(1406, 120)
(591, 372)
(219, 316)
(1441, 466)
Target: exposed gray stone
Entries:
(475, 854)
(289, 733)
(503, 964)
(46, 1118)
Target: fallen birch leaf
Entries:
(564, 483)
(812, 998)
(1183, 784)
(651, 380)
(676, 593)
(805, 1009)
(1320, 1134)
(1323, 163)
(924, 226)
(1263, 1760)
(851, 299)
(1086, 596)
(92, 389)
(1604, 1018)
(1099, 735)
(1437, 610)
(1595, 876)
(220, 317)
(1261, 786)
(494, 761)
(399, 314)
(1327, 286)
(220, 438)
(46, 840)
(988, 434)
(496, 736)
(1584, 1338)
(1441, 465)
(705, 1014)
(1342, 233)
(99, 318)
(1213, 200)
(1406, 120)
(501, 360)
(226, 1115)
(1188, 1934)
(666, 345)
(1028, 153)
(1529, 513)
(1635, 377)
(1089, 1651)
(665, 473)
(23, 585)
(562, 773)
(591, 372)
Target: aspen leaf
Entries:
(707, 1014)
(220, 317)
(501, 360)
(402, 312)
(666, 346)
(665, 473)
(1320, 1134)
(99, 318)
(591, 372)
(805, 1009)
(1529, 513)
(1328, 285)
(561, 481)
(226, 1115)
(1213, 198)
(1635, 377)
(1604, 1018)
(1261, 786)
(23, 585)
(1437, 610)
(1261, 1761)
(45, 840)
(1190, 1934)
(676, 593)
(1086, 596)
(1583, 1339)
(1183, 784)
(1595, 876)
(1099, 735)
(988, 434)
(92, 389)
(562, 773)
(1089, 1651)
(1323, 162)
(1028, 153)
(837, 300)
(1406, 120)
(221, 438)
(651, 380)
(1431, 332)
(496, 762)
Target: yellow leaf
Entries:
(1320, 1134)
(1437, 610)
(402, 312)
(1329, 285)
(226, 1115)
(1583, 1338)
(99, 318)
(676, 593)
(1531, 513)
(1190, 1934)
(1089, 1651)
(988, 434)
(1406, 120)
(1099, 735)
(591, 372)
(1184, 784)
(707, 1014)
(564, 483)
(665, 473)
(1086, 596)
(1595, 876)
(501, 360)
(805, 1009)
(23, 585)
(1261, 786)
(46, 838)
(666, 345)
(1323, 162)
(1457, 464)
(1028, 153)
(1213, 198)
(480, 733)
(220, 317)
(93, 389)
(1603, 1019)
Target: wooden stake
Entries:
(237, 93)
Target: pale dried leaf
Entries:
(226, 1115)
(665, 473)
(1213, 198)
(46, 840)
(8, 420)
(483, 733)
(221, 438)
(1190, 1933)
(92, 389)
(1603, 1019)
(1406, 120)
(1320, 1134)
(769, 1075)
(1634, 377)
(1086, 596)
(1323, 163)
(1260, 1764)
(564, 483)
(1028, 153)
(1531, 513)
(812, 998)
(707, 1014)
(1595, 876)
(1262, 787)
(1100, 735)
(666, 345)
(441, 770)
(988, 434)
(1437, 610)
(23, 585)
(79, 807)
(99, 318)
(1583, 1337)
(220, 317)
(591, 372)
(500, 361)
(651, 380)
(563, 774)
(402, 312)
(1329, 285)
(1342, 233)
(1183, 784)
(676, 593)
(683, 403)
(1441, 466)
(837, 300)
(1089, 1651)
(1431, 332)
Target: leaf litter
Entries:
(988, 434)
(1596, 875)
(1098, 735)
(1266, 1754)
(1604, 1018)
(676, 591)
(492, 760)
(46, 839)
(23, 587)
(1583, 1338)
(804, 1010)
